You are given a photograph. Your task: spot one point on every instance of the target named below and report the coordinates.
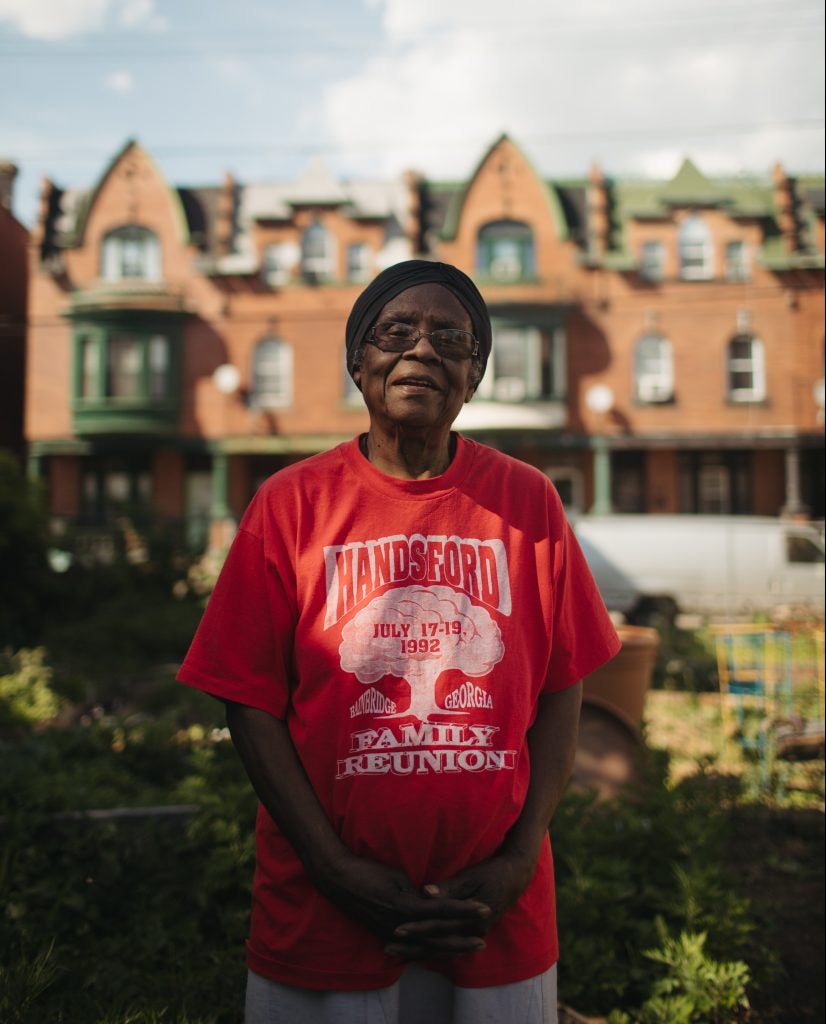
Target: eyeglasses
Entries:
(448, 343)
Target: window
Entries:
(746, 369)
(358, 261)
(123, 367)
(272, 374)
(802, 550)
(526, 364)
(158, 367)
(111, 487)
(694, 243)
(89, 366)
(652, 261)
(737, 268)
(131, 253)
(317, 253)
(277, 264)
(505, 251)
(125, 378)
(653, 369)
(714, 490)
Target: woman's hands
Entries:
(494, 884)
(386, 902)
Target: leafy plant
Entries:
(623, 864)
(22, 984)
(695, 989)
(28, 584)
(26, 694)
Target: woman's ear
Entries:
(356, 375)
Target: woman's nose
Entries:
(423, 349)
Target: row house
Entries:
(14, 244)
(658, 346)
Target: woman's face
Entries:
(418, 389)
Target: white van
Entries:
(716, 566)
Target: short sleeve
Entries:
(242, 650)
(583, 635)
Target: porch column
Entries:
(221, 522)
(602, 478)
(794, 506)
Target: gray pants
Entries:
(418, 997)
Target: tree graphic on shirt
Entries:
(416, 634)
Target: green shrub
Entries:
(26, 695)
(694, 989)
(622, 865)
(27, 589)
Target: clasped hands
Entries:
(441, 919)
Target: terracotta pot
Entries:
(621, 686)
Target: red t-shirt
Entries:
(405, 631)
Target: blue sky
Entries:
(377, 86)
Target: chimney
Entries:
(224, 227)
(597, 214)
(784, 202)
(413, 224)
(8, 172)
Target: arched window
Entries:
(695, 249)
(505, 251)
(745, 369)
(131, 253)
(653, 369)
(317, 253)
(272, 374)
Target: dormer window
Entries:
(505, 251)
(317, 253)
(131, 254)
(695, 249)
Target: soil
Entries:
(776, 853)
(782, 873)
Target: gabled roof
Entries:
(453, 213)
(689, 187)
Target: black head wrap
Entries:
(399, 278)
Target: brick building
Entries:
(658, 346)
(14, 243)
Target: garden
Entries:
(127, 822)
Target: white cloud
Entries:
(637, 86)
(61, 19)
(53, 19)
(120, 81)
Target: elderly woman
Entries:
(399, 633)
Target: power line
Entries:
(85, 154)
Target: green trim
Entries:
(99, 413)
(219, 509)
